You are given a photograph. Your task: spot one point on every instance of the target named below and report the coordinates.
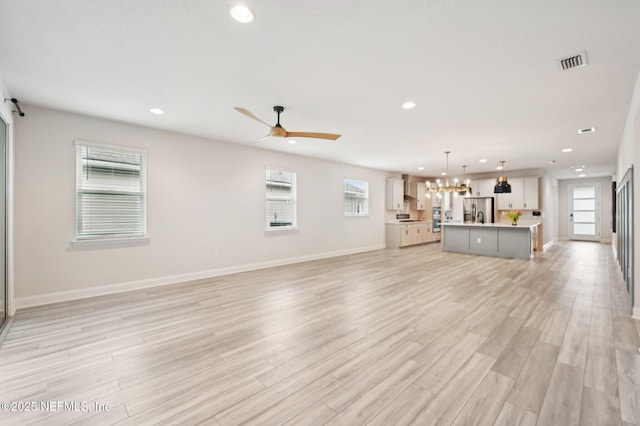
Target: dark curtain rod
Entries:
(15, 102)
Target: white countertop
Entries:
(527, 224)
(415, 222)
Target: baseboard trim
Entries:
(602, 240)
(66, 296)
(548, 245)
(636, 313)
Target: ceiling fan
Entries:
(278, 131)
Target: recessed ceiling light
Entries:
(156, 111)
(291, 141)
(579, 170)
(582, 175)
(587, 130)
(567, 150)
(552, 161)
(408, 105)
(420, 168)
(443, 174)
(499, 168)
(242, 13)
(484, 160)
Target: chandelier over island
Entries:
(459, 188)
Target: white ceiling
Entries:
(483, 74)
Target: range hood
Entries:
(407, 194)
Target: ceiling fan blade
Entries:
(263, 138)
(314, 135)
(250, 115)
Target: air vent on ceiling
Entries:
(574, 61)
(587, 130)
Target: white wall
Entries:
(549, 201)
(205, 210)
(628, 155)
(605, 206)
(5, 112)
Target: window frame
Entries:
(143, 194)
(366, 198)
(294, 199)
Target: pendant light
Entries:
(465, 185)
(502, 187)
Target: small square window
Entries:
(356, 198)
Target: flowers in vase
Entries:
(514, 215)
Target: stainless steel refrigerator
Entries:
(479, 209)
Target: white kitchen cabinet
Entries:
(429, 236)
(483, 187)
(406, 236)
(403, 235)
(418, 191)
(395, 194)
(420, 233)
(530, 193)
(514, 199)
(412, 234)
(523, 196)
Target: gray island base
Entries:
(490, 239)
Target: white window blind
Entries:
(281, 199)
(111, 192)
(356, 198)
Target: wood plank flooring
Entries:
(391, 337)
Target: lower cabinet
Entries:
(406, 236)
(402, 235)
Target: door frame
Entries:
(7, 305)
(625, 231)
(598, 211)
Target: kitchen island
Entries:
(489, 239)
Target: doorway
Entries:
(584, 212)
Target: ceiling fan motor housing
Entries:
(278, 131)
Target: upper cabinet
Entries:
(530, 193)
(514, 199)
(523, 196)
(421, 197)
(483, 187)
(395, 194)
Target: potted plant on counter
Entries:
(514, 215)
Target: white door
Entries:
(584, 212)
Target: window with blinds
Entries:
(111, 192)
(281, 199)
(356, 198)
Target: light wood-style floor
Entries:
(414, 336)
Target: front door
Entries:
(584, 212)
